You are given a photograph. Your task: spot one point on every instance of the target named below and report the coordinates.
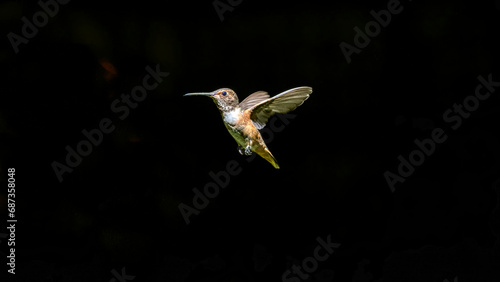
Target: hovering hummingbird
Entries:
(244, 120)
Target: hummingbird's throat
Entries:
(223, 106)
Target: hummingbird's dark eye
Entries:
(224, 93)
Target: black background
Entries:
(119, 207)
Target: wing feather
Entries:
(253, 99)
(282, 103)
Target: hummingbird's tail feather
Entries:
(266, 154)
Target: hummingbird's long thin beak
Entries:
(199, 93)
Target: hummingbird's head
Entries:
(225, 98)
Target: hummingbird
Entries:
(244, 119)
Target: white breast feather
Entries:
(232, 116)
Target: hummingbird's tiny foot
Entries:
(248, 151)
(240, 150)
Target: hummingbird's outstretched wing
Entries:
(253, 99)
(281, 104)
